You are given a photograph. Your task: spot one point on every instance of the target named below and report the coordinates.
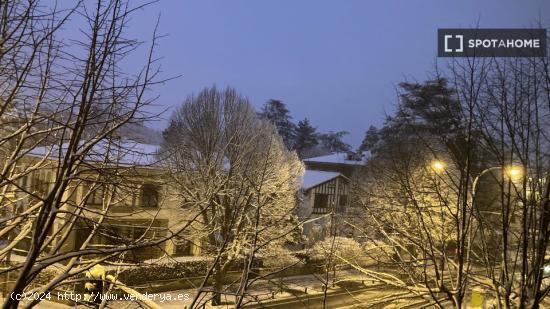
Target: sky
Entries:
(337, 63)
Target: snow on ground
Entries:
(264, 290)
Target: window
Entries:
(149, 195)
(139, 232)
(343, 201)
(96, 196)
(23, 182)
(320, 203)
(94, 193)
(40, 186)
(183, 248)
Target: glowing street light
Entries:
(438, 166)
(514, 172)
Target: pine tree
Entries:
(370, 140)
(276, 112)
(306, 137)
(333, 142)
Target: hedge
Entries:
(138, 275)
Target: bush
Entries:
(378, 251)
(137, 275)
(278, 257)
(344, 247)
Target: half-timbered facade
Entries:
(323, 193)
(330, 194)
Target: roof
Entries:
(314, 178)
(337, 158)
(122, 152)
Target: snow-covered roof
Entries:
(121, 152)
(314, 178)
(338, 158)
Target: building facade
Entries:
(109, 204)
(325, 194)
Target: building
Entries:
(325, 191)
(120, 193)
(345, 163)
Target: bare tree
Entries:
(233, 169)
(511, 111)
(464, 208)
(412, 223)
(62, 103)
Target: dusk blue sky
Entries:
(335, 62)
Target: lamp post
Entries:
(514, 172)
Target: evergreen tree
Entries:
(305, 138)
(276, 112)
(333, 142)
(429, 112)
(370, 140)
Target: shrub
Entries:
(378, 251)
(278, 257)
(344, 247)
(141, 274)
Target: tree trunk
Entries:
(218, 285)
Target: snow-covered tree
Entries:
(63, 100)
(233, 169)
(458, 187)
(345, 247)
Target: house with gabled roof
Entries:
(325, 191)
(345, 163)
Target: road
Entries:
(367, 297)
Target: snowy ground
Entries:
(263, 290)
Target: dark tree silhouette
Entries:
(306, 137)
(370, 140)
(277, 113)
(333, 142)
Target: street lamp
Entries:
(514, 172)
(438, 166)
